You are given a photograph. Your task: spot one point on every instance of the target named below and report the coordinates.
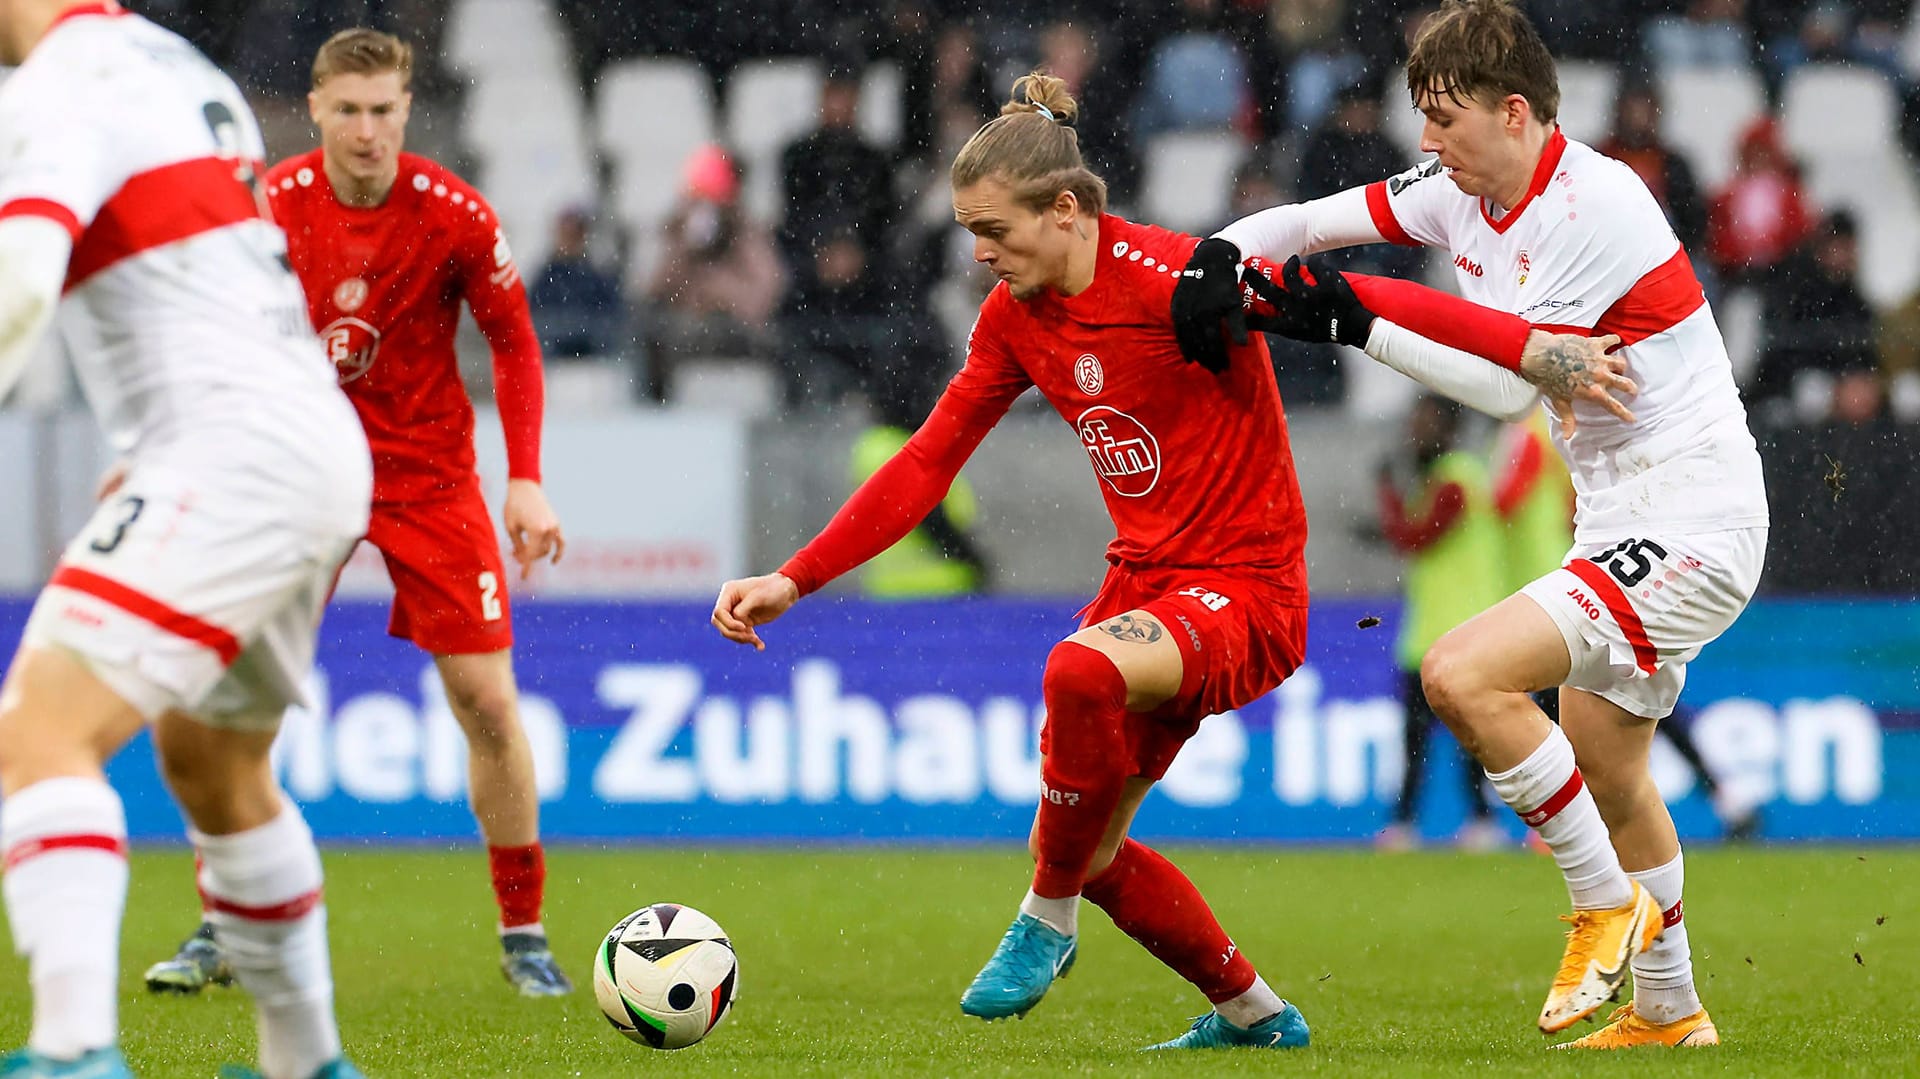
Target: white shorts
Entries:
(1636, 611)
(200, 589)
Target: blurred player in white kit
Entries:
(189, 603)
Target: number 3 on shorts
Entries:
(489, 596)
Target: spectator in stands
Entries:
(833, 175)
(1710, 33)
(1321, 57)
(1796, 32)
(720, 277)
(835, 331)
(1107, 71)
(940, 556)
(1349, 150)
(1196, 77)
(1818, 354)
(1762, 214)
(1635, 139)
(577, 308)
(1437, 510)
(1897, 339)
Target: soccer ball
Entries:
(665, 976)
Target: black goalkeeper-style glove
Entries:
(1206, 305)
(1312, 303)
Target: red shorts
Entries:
(449, 582)
(1237, 637)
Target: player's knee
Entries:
(1450, 679)
(489, 714)
(1081, 682)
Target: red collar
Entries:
(98, 7)
(1542, 176)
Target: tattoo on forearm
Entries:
(1128, 628)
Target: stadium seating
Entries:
(770, 103)
(504, 35)
(527, 131)
(1704, 111)
(882, 87)
(1188, 179)
(650, 114)
(1587, 90)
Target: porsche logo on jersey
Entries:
(352, 345)
(1088, 375)
(348, 295)
(1123, 452)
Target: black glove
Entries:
(1207, 295)
(1312, 303)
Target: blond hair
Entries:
(361, 51)
(1032, 149)
(1483, 50)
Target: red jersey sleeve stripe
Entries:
(31, 848)
(180, 624)
(1383, 219)
(48, 209)
(1623, 613)
(1656, 303)
(163, 206)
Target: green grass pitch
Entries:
(852, 963)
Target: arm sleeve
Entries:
(1456, 323)
(1462, 376)
(33, 264)
(1281, 232)
(492, 285)
(900, 494)
(892, 501)
(1413, 534)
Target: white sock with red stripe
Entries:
(1548, 792)
(1663, 988)
(261, 890)
(65, 845)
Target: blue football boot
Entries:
(530, 966)
(104, 1063)
(1029, 958)
(339, 1069)
(1285, 1030)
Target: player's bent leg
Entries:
(1478, 679)
(1612, 745)
(1092, 680)
(63, 843)
(506, 801)
(260, 880)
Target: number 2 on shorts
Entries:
(489, 596)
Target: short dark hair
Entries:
(1484, 50)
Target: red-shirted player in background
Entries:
(387, 245)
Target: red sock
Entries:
(1083, 770)
(1150, 900)
(519, 883)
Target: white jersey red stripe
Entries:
(1587, 250)
(1617, 605)
(184, 320)
(180, 624)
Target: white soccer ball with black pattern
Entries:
(666, 976)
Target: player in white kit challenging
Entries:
(1671, 520)
(190, 602)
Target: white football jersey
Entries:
(1588, 249)
(182, 315)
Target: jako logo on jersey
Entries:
(1467, 265)
(352, 345)
(1123, 452)
(1088, 375)
(348, 295)
(1526, 266)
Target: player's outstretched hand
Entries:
(1207, 305)
(532, 528)
(1312, 302)
(1568, 367)
(751, 602)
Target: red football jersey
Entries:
(384, 286)
(1196, 468)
